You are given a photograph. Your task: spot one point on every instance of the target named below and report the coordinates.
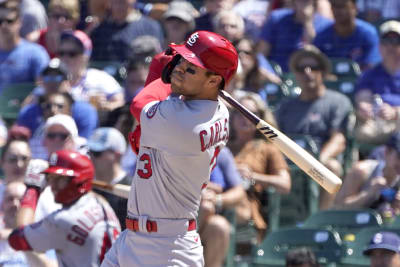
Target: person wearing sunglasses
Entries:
(88, 84)
(20, 61)
(63, 15)
(375, 124)
(318, 112)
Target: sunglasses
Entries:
(8, 21)
(302, 68)
(58, 16)
(50, 105)
(60, 136)
(70, 53)
(96, 154)
(390, 40)
(53, 78)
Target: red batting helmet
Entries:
(75, 165)
(210, 51)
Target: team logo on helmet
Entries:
(192, 39)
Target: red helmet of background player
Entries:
(210, 51)
(75, 165)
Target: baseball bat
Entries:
(119, 190)
(304, 160)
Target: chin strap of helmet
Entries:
(166, 73)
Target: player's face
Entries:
(16, 161)
(383, 257)
(192, 81)
(57, 182)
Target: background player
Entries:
(83, 230)
(181, 138)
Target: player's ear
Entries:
(215, 80)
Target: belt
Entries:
(151, 226)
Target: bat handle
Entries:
(247, 113)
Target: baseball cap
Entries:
(55, 66)
(107, 138)
(310, 51)
(82, 38)
(384, 240)
(182, 10)
(389, 26)
(65, 121)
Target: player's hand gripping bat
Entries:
(304, 160)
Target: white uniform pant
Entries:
(155, 250)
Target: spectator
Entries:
(10, 204)
(137, 70)
(53, 81)
(212, 7)
(34, 18)
(374, 183)
(384, 250)
(255, 78)
(287, 30)
(106, 148)
(259, 162)
(112, 38)
(318, 112)
(20, 61)
(63, 15)
(178, 22)
(81, 231)
(375, 11)
(254, 10)
(301, 257)
(3, 133)
(60, 132)
(376, 123)
(349, 37)
(122, 120)
(88, 84)
(224, 191)
(14, 162)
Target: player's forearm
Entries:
(25, 216)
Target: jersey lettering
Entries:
(79, 236)
(213, 162)
(214, 135)
(146, 172)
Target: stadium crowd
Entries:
(324, 72)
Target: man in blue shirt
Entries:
(382, 81)
(349, 37)
(20, 60)
(287, 30)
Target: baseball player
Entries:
(83, 229)
(179, 142)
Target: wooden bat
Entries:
(304, 160)
(119, 190)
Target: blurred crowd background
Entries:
(324, 72)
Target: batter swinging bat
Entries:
(120, 190)
(324, 177)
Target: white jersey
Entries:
(80, 233)
(178, 147)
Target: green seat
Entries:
(275, 93)
(11, 99)
(344, 85)
(303, 198)
(345, 67)
(326, 245)
(289, 84)
(396, 223)
(354, 256)
(345, 222)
